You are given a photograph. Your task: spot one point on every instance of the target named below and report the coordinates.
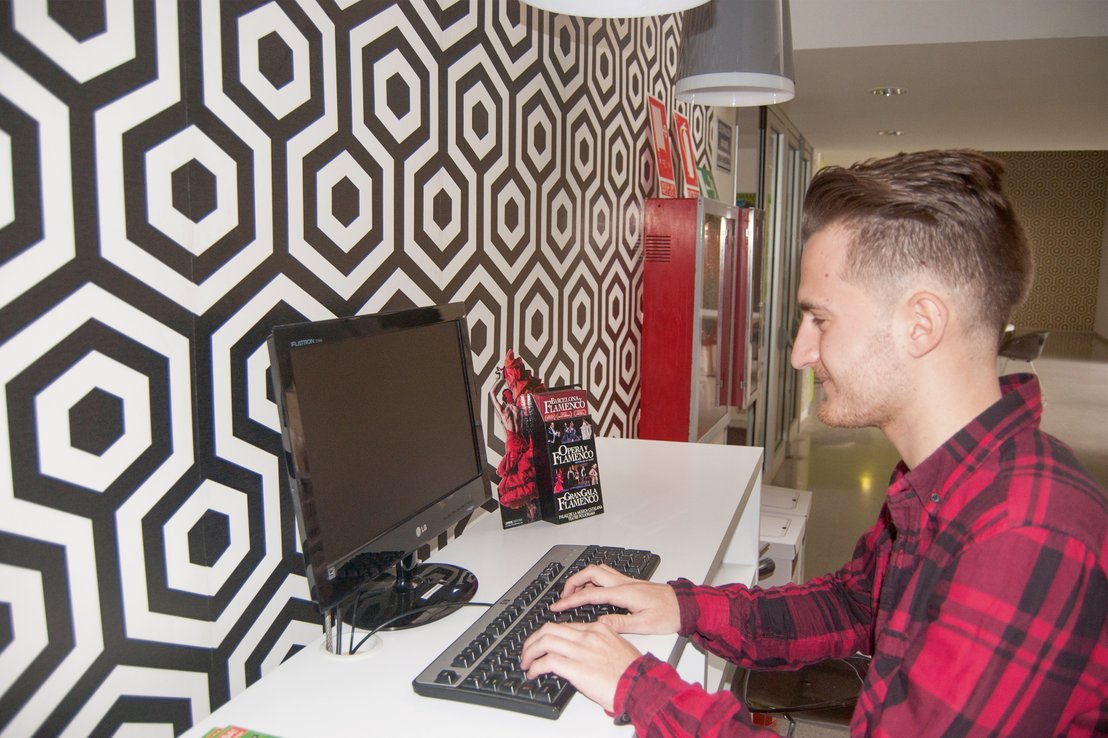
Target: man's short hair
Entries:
(943, 213)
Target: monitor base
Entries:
(393, 602)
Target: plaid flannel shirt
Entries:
(981, 593)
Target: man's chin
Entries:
(830, 417)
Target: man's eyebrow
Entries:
(806, 306)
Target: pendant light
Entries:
(736, 53)
(614, 8)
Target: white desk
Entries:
(696, 505)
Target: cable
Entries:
(354, 619)
(413, 611)
(328, 628)
(338, 628)
(851, 664)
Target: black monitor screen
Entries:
(383, 438)
(387, 430)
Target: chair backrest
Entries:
(1024, 346)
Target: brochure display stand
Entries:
(549, 469)
(570, 483)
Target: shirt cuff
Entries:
(630, 702)
(687, 606)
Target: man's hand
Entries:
(591, 656)
(652, 608)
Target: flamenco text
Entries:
(563, 404)
(577, 498)
(572, 454)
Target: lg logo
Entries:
(420, 529)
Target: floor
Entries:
(847, 470)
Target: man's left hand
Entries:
(592, 656)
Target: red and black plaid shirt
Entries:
(981, 593)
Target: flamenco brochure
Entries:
(569, 484)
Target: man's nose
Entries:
(805, 346)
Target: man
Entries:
(981, 592)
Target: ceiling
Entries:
(995, 75)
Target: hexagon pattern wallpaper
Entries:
(1061, 198)
(178, 177)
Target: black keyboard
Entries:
(482, 666)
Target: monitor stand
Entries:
(392, 602)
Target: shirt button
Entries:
(935, 497)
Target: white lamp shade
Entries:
(614, 8)
(736, 53)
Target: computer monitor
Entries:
(384, 449)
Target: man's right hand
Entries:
(652, 608)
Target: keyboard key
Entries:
(446, 676)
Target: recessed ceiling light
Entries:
(890, 133)
(887, 91)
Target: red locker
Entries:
(696, 324)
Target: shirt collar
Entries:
(1019, 406)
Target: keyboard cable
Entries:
(413, 611)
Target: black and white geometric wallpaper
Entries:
(178, 177)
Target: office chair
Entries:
(1022, 347)
(821, 694)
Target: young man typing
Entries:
(981, 591)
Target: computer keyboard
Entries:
(482, 666)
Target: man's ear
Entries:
(928, 321)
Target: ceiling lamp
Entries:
(736, 53)
(614, 8)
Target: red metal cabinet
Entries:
(696, 321)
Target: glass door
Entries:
(714, 330)
(785, 180)
(801, 389)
